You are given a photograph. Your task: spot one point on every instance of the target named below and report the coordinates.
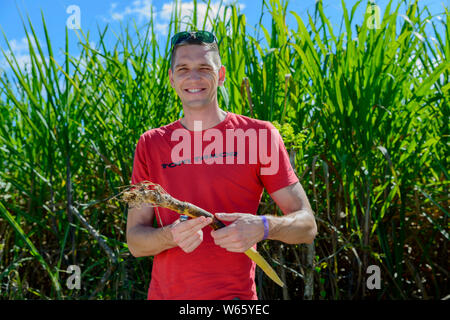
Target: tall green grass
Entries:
(363, 112)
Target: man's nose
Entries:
(193, 74)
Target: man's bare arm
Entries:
(298, 225)
(142, 239)
(145, 240)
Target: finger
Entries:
(187, 229)
(219, 234)
(184, 239)
(191, 247)
(191, 243)
(224, 233)
(225, 237)
(192, 225)
(233, 246)
(228, 216)
(235, 249)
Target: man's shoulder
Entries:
(160, 132)
(244, 122)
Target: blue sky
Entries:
(99, 13)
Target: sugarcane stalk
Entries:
(154, 194)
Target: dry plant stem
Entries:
(310, 248)
(156, 195)
(95, 234)
(112, 256)
(148, 192)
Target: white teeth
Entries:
(194, 90)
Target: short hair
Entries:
(192, 41)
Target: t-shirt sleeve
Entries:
(276, 171)
(140, 168)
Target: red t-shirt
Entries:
(222, 169)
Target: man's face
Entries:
(195, 76)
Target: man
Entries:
(224, 176)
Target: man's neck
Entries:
(209, 118)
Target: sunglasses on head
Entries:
(203, 36)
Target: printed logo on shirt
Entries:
(188, 161)
(257, 151)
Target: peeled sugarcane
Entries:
(149, 192)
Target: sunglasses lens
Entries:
(180, 36)
(204, 36)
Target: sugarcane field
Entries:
(224, 150)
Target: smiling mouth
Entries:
(194, 90)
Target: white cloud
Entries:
(141, 8)
(161, 28)
(19, 51)
(21, 45)
(186, 13)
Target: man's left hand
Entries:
(246, 230)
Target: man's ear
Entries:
(171, 77)
(221, 75)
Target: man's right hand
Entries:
(188, 234)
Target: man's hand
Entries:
(188, 234)
(246, 230)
